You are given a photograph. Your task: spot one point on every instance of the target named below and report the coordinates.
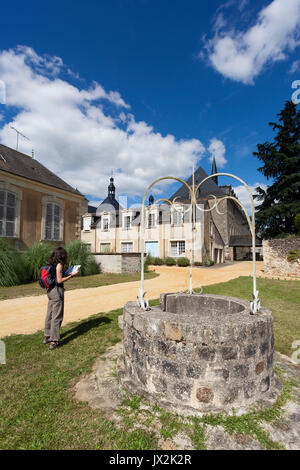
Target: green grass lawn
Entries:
(80, 282)
(37, 408)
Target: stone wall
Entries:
(118, 262)
(275, 257)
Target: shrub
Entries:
(208, 262)
(12, 269)
(170, 261)
(183, 261)
(157, 261)
(293, 255)
(146, 263)
(198, 263)
(36, 256)
(79, 253)
(150, 259)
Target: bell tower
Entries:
(111, 189)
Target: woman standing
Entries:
(55, 311)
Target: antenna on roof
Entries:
(19, 133)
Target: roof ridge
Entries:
(25, 167)
(200, 175)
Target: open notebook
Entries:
(72, 269)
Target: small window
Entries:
(8, 203)
(105, 248)
(127, 222)
(127, 247)
(87, 224)
(177, 249)
(177, 217)
(105, 223)
(151, 220)
(53, 222)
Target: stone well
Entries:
(199, 353)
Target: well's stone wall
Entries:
(275, 257)
(200, 353)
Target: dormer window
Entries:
(87, 224)
(151, 220)
(177, 217)
(105, 223)
(127, 222)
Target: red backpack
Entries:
(46, 278)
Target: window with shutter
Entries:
(56, 222)
(8, 202)
(53, 222)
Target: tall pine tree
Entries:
(281, 163)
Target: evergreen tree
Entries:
(281, 162)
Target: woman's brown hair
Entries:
(59, 255)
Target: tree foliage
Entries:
(280, 202)
(297, 223)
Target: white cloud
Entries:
(242, 55)
(295, 67)
(217, 150)
(83, 134)
(244, 197)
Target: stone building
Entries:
(168, 230)
(35, 204)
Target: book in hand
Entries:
(72, 269)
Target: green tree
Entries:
(280, 203)
(297, 223)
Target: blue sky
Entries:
(146, 87)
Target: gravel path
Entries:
(27, 314)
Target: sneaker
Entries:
(53, 345)
(46, 340)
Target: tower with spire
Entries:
(111, 189)
(214, 170)
(110, 202)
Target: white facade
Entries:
(167, 232)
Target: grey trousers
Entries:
(55, 313)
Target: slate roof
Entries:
(243, 240)
(109, 201)
(92, 209)
(20, 164)
(209, 187)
